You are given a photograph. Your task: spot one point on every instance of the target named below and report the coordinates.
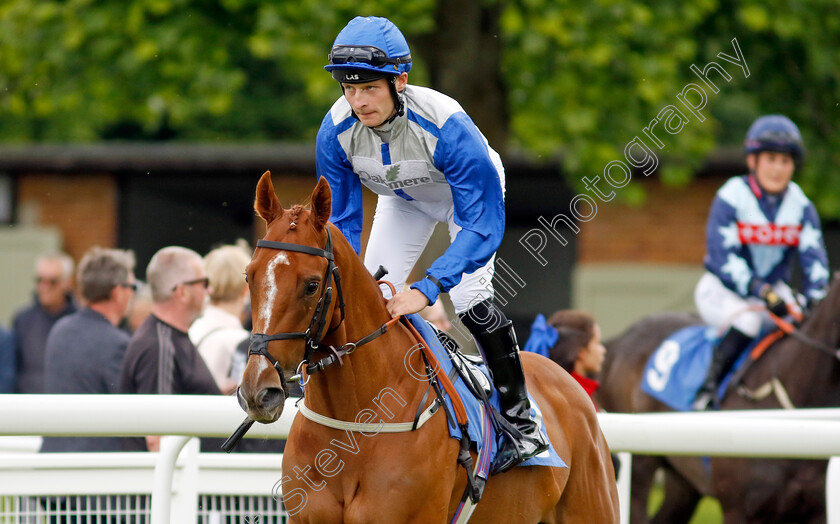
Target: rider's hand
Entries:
(773, 301)
(407, 302)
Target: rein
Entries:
(791, 330)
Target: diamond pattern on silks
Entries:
(677, 369)
(546, 458)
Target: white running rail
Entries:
(780, 434)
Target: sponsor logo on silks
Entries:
(390, 179)
(768, 234)
(392, 173)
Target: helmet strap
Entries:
(398, 101)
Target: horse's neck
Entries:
(376, 373)
(809, 374)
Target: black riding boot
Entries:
(723, 357)
(501, 352)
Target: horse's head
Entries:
(292, 308)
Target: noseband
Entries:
(315, 332)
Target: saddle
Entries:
(466, 366)
(478, 395)
(676, 369)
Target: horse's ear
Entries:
(266, 204)
(321, 203)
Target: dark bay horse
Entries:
(334, 475)
(749, 490)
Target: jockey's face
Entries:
(372, 101)
(772, 170)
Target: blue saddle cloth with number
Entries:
(677, 369)
(546, 458)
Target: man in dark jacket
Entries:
(85, 350)
(160, 358)
(53, 300)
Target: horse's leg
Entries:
(641, 480)
(679, 502)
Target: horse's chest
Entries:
(350, 483)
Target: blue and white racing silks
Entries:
(433, 153)
(751, 238)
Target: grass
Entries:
(707, 512)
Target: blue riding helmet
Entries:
(368, 49)
(775, 133)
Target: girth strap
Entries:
(373, 428)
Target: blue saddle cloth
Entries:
(676, 370)
(546, 458)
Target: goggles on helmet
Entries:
(371, 55)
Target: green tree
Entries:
(546, 77)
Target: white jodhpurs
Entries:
(721, 307)
(401, 229)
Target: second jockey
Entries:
(758, 224)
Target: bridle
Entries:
(315, 332)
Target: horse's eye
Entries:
(246, 279)
(311, 287)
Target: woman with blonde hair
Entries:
(219, 330)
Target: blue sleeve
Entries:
(723, 251)
(463, 157)
(332, 163)
(812, 255)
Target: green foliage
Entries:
(582, 79)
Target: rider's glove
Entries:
(773, 301)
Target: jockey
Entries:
(757, 224)
(419, 151)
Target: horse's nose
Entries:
(263, 406)
(269, 399)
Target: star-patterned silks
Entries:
(730, 235)
(817, 272)
(740, 272)
(810, 237)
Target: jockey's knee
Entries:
(748, 323)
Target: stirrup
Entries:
(511, 453)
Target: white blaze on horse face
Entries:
(269, 290)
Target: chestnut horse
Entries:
(749, 490)
(335, 475)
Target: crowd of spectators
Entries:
(102, 331)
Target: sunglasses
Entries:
(130, 285)
(203, 281)
(45, 280)
(346, 54)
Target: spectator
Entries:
(571, 338)
(53, 300)
(7, 361)
(160, 358)
(85, 350)
(139, 309)
(219, 330)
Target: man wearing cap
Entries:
(419, 151)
